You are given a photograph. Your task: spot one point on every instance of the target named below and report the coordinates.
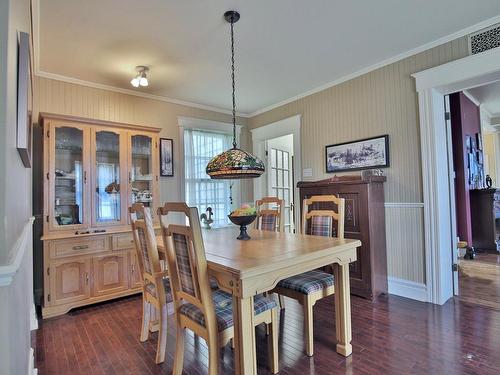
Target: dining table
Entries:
(248, 268)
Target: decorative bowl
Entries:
(242, 221)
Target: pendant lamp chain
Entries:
(232, 78)
(234, 163)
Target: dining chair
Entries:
(269, 214)
(156, 291)
(205, 311)
(309, 287)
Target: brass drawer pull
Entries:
(80, 247)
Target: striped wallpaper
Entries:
(383, 101)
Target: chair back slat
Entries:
(187, 261)
(270, 219)
(320, 222)
(147, 252)
(144, 239)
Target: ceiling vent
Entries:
(484, 39)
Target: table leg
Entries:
(343, 309)
(244, 336)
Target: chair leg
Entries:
(146, 316)
(162, 336)
(308, 325)
(213, 354)
(282, 301)
(179, 351)
(274, 360)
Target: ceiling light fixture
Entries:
(141, 79)
(234, 163)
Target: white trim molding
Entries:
(407, 289)
(8, 271)
(432, 85)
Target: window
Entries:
(201, 191)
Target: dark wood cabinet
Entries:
(365, 221)
(485, 215)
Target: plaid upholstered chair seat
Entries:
(308, 282)
(223, 303)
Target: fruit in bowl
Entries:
(244, 210)
(243, 216)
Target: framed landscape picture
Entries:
(361, 154)
(166, 157)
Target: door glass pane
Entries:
(280, 177)
(279, 158)
(286, 197)
(286, 179)
(285, 159)
(68, 193)
(107, 189)
(142, 169)
(273, 158)
(273, 176)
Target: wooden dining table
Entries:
(248, 268)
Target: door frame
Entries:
(289, 125)
(432, 85)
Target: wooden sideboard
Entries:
(364, 221)
(93, 171)
(485, 218)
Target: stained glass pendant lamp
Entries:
(234, 163)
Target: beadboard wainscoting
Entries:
(404, 224)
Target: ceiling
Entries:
(283, 47)
(489, 97)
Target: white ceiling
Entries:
(283, 47)
(489, 97)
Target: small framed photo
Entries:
(166, 157)
(479, 141)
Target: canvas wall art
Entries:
(166, 157)
(362, 154)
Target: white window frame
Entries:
(206, 125)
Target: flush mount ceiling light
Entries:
(141, 79)
(234, 163)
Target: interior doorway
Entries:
(278, 144)
(472, 120)
(432, 85)
(280, 181)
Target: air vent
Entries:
(484, 39)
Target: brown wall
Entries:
(465, 121)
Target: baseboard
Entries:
(407, 288)
(31, 369)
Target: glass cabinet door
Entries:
(108, 171)
(142, 171)
(69, 176)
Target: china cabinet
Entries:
(93, 171)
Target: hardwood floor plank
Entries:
(391, 335)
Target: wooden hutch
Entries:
(364, 221)
(93, 171)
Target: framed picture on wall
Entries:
(24, 100)
(166, 157)
(361, 154)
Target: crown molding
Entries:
(95, 85)
(391, 60)
(473, 99)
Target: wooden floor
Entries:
(390, 336)
(479, 280)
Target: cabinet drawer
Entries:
(122, 241)
(78, 246)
